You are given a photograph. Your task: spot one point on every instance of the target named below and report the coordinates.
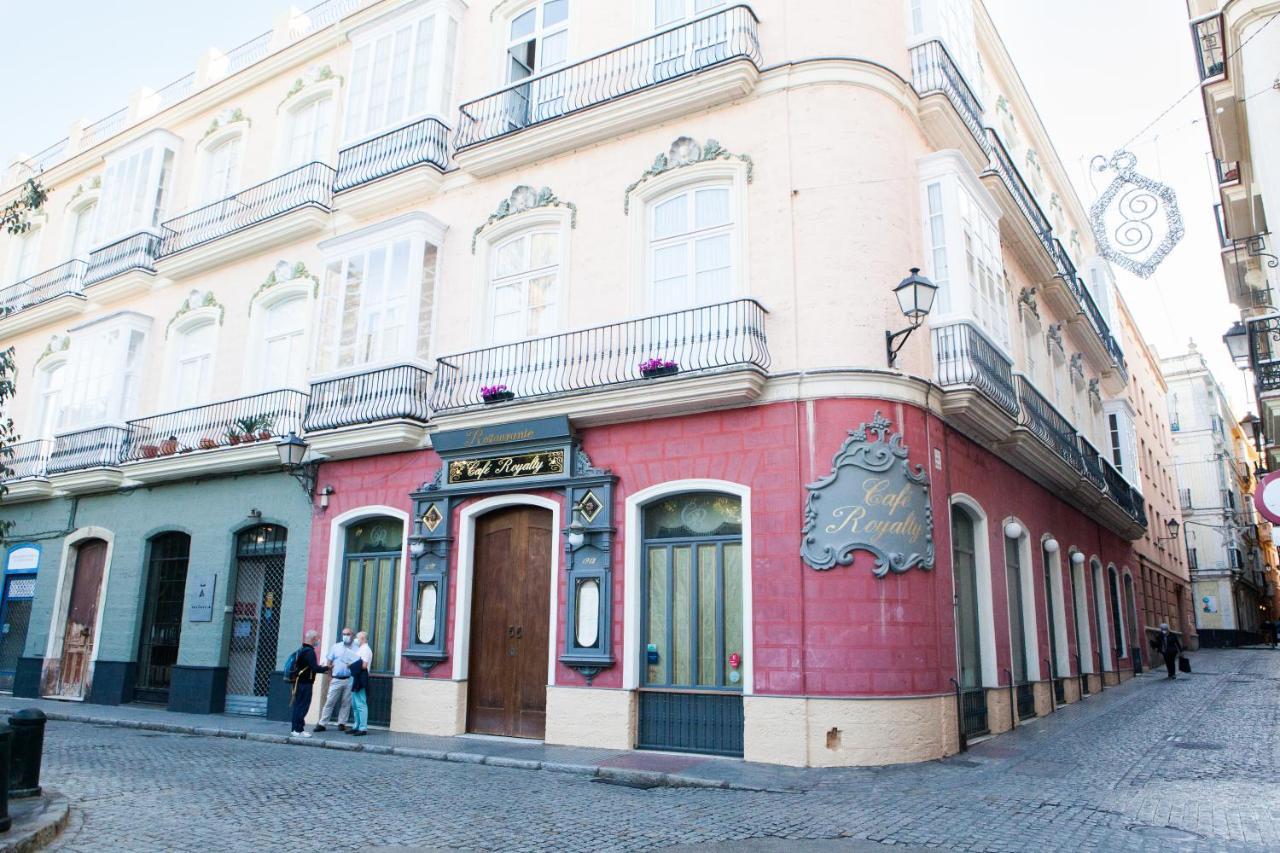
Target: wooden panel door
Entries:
(507, 669)
(82, 618)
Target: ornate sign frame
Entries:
(836, 524)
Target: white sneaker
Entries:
(302, 734)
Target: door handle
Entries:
(511, 630)
(519, 632)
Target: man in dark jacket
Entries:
(1167, 644)
(305, 669)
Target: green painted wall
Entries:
(211, 512)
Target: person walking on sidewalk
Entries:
(303, 673)
(340, 655)
(1170, 647)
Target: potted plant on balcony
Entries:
(233, 435)
(169, 446)
(248, 428)
(496, 394)
(651, 368)
(265, 423)
(149, 451)
(207, 443)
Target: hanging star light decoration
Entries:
(1136, 220)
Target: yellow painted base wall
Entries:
(587, 716)
(848, 732)
(428, 706)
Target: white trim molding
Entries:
(982, 571)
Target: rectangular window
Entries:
(937, 229)
(105, 361)
(1117, 445)
(399, 74)
(134, 189)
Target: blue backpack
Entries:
(291, 667)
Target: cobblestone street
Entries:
(1152, 765)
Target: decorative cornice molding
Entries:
(285, 272)
(196, 300)
(684, 151)
(224, 118)
(525, 198)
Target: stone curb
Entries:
(621, 775)
(57, 812)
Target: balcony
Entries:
(1038, 416)
(1070, 296)
(123, 268)
(234, 435)
(720, 351)
(27, 476)
(1093, 463)
(87, 460)
(1210, 47)
(383, 409)
(686, 69)
(419, 152)
(980, 399)
(934, 72)
(278, 211)
(1023, 223)
(47, 296)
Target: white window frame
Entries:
(1125, 418)
(691, 12)
(156, 189)
(445, 38)
(290, 112)
(420, 229)
(121, 398)
(207, 149)
(191, 322)
(656, 190)
(25, 254)
(541, 219)
(525, 277)
(255, 373)
(45, 370)
(950, 22)
(964, 300)
(689, 240)
(75, 211)
(540, 33)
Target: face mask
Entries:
(346, 639)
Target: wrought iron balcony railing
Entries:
(1067, 271)
(28, 460)
(1092, 464)
(711, 338)
(1118, 487)
(388, 394)
(50, 284)
(1268, 376)
(425, 141)
(311, 184)
(720, 37)
(104, 128)
(135, 252)
(245, 420)
(90, 448)
(1210, 49)
(1003, 166)
(963, 356)
(1047, 424)
(933, 70)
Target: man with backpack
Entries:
(301, 669)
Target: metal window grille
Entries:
(255, 625)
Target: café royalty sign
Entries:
(874, 500)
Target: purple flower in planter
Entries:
(492, 390)
(651, 365)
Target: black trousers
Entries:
(1171, 663)
(301, 704)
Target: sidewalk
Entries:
(623, 767)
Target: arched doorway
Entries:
(369, 601)
(255, 626)
(510, 623)
(691, 622)
(80, 627)
(964, 567)
(1135, 635)
(162, 615)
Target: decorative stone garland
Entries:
(685, 151)
(524, 198)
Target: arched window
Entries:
(82, 229)
(27, 260)
(1020, 591)
(370, 573)
(1117, 618)
(193, 363)
(1080, 617)
(162, 615)
(524, 286)
(284, 359)
(691, 237)
(1100, 633)
(52, 380)
(693, 600)
(1054, 617)
(964, 567)
(222, 168)
(310, 132)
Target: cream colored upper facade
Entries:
(367, 188)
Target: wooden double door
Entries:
(82, 619)
(507, 667)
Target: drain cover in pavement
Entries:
(1167, 833)
(641, 784)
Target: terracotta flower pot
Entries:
(264, 435)
(208, 444)
(233, 437)
(149, 451)
(168, 447)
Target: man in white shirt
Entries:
(363, 647)
(340, 656)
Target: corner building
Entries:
(582, 317)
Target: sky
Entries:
(1098, 72)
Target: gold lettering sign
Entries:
(875, 501)
(481, 437)
(535, 464)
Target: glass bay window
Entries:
(135, 187)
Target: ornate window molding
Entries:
(304, 84)
(57, 346)
(223, 124)
(286, 273)
(198, 307)
(684, 151)
(524, 198)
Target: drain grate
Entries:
(638, 784)
(1165, 833)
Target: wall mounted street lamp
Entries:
(915, 295)
(1077, 558)
(1173, 526)
(298, 464)
(1237, 341)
